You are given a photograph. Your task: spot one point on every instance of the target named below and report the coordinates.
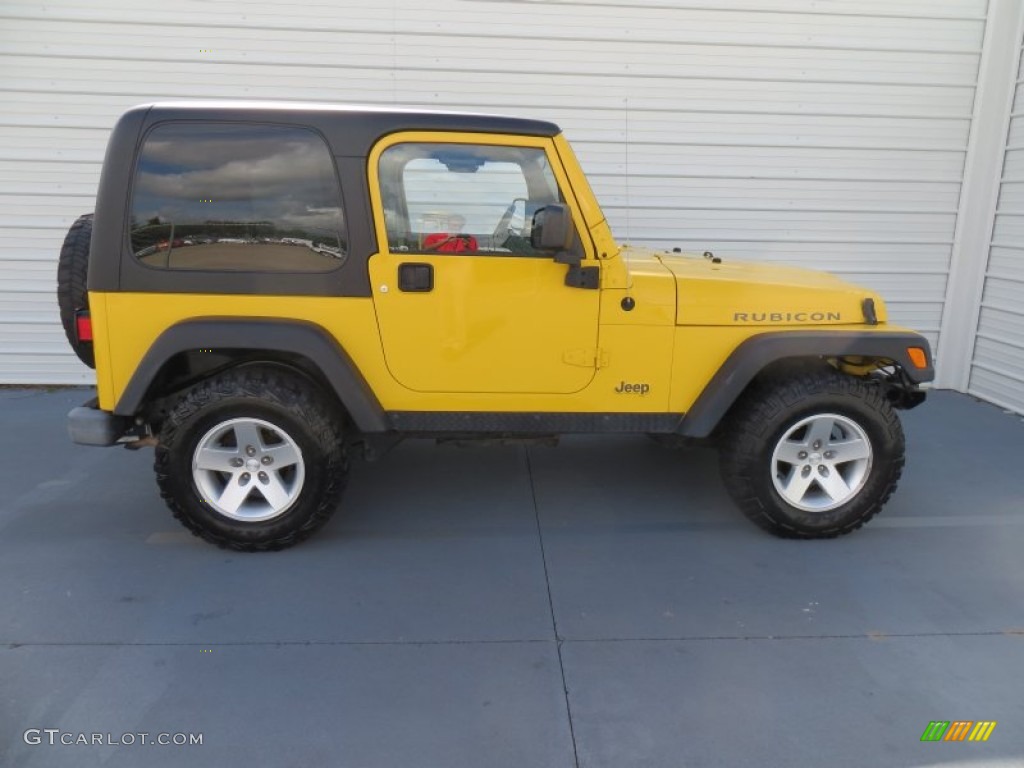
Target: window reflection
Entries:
(237, 197)
(464, 198)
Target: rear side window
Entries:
(234, 197)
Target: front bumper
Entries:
(88, 425)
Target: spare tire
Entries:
(72, 292)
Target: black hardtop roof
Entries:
(351, 129)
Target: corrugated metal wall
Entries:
(997, 369)
(827, 133)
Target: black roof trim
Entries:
(352, 130)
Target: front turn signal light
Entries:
(918, 357)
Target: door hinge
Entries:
(586, 358)
(583, 277)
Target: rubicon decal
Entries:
(958, 730)
(785, 317)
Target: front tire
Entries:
(812, 456)
(252, 459)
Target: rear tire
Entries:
(813, 456)
(72, 283)
(252, 459)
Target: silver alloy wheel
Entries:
(248, 469)
(821, 462)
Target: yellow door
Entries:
(463, 301)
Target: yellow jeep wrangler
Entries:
(268, 289)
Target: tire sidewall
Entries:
(886, 456)
(72, 284)
(181, 449)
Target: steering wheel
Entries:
(503, 230)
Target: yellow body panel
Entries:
(636, 355)
(763, 294)
(651, 287)
(675, 362)
(106, 392)
(488, 325)
(135, 320)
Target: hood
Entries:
(739, 293)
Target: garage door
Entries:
(997, 368)
(830, 135)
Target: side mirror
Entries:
(552, 230)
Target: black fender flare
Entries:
(271, 334)
(756, 352)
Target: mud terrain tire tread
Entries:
(758, 421)
(72, 283)
(267, 393)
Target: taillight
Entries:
(83, 325)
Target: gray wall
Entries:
(831, 135)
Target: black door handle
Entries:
(415, 278)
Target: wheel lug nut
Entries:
(802, 455)
(237, 462)
(822, 469)
(263, 478)
(267, 460)
(250, 451)
(244, 479)
(829, 454)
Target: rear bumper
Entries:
(88, 425)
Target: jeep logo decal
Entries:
(784, 317)
(633, 389)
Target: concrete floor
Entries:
(599, 604)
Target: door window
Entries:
(462, 198)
